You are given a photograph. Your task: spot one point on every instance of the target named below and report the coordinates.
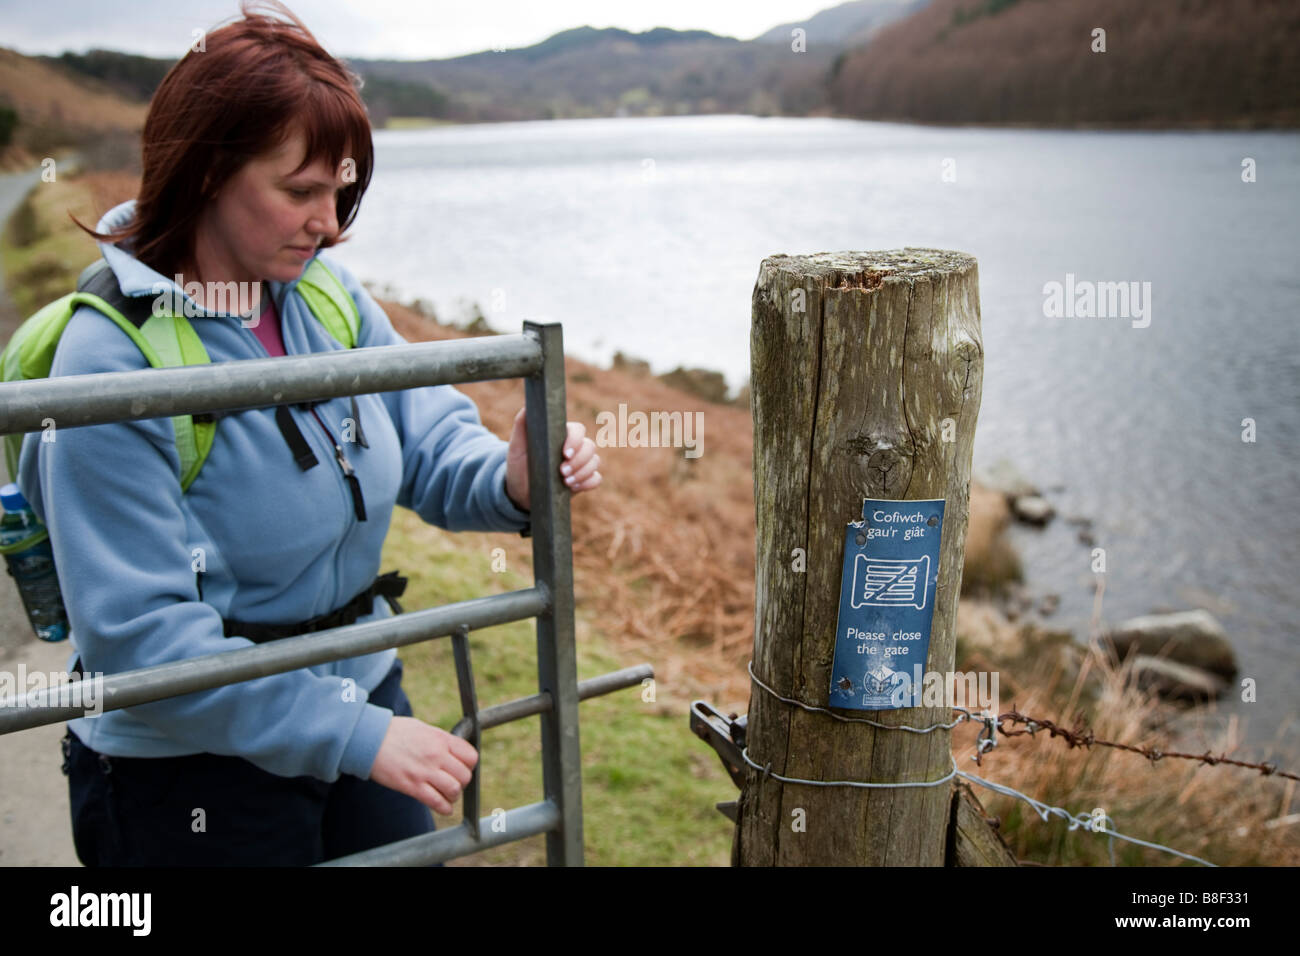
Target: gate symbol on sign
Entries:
(884, 582)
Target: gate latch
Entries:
(724, 734)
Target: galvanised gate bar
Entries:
(537, 355)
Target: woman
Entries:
(256, 149)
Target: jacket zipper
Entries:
(354, 484)
(358, 503)
(349, 475)
(309, 460)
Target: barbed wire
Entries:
(1081, 737)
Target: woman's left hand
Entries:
(578, 468)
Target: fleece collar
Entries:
(137, 279)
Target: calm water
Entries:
(646, 234)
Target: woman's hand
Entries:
(578, 470)
(424, 762)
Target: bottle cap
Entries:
(11, 499)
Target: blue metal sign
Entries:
(887, 593)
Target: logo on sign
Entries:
(880, 582)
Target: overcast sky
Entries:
(400, 29)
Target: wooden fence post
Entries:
(866, 370)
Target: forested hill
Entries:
(849, 24)
(1141, 63)
(588, 72)
(1166, 62)
(584, 72)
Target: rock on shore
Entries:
(1176, 681)
(1193, 638)
(1025, 501)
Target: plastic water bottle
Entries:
(26, 547)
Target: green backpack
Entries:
(167, 341)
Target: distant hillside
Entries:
(589, 72)
(58, 108)
(1167, 62)
(46, 95)
(1190, 62)
(130, 76)
(582, 72)
(849, 24)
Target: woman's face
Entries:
(266, 224)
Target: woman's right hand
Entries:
(424, 762)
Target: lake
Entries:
(645, 235)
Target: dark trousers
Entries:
(211, 810)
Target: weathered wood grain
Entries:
(971, 840)
(857, 358)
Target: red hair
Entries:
(255, 82)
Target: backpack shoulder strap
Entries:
(330, 303)
(28, 355)
(167, 341)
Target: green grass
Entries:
(41, 250)
(416, 122)
(648, 784)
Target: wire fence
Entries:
(1080, 736)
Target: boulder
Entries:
(1175, 681)
(1194, 638)
(701, 382)
(1032, 509)
(633, 366)
(983, 629)
(1004, 478)
(991, 564)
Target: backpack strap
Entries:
(167, 341)
(29, 354)
(330, 303)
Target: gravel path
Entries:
(35, 826)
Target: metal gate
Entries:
(537, 355)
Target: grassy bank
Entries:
(42, 250)
(648, 787)
(417, 122)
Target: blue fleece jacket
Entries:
(275, 544)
